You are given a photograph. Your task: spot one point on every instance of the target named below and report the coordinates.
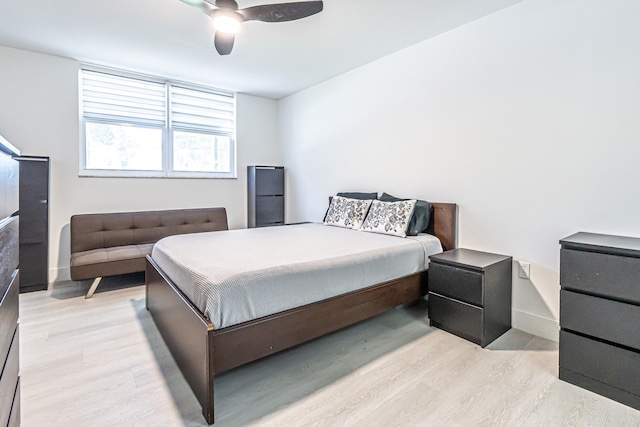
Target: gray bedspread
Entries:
(239, 275)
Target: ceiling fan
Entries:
(227, 17)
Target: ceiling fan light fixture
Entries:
(227, 17)
(226, 23)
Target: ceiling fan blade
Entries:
(224, 42)
(224, 4)
(201, 5)
(281, 12)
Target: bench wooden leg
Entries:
(93, 287)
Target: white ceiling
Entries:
(170, 39)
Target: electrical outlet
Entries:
(524, 270)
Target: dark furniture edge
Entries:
(466, 261)
(600, 388)
(603, 243)
(457, 332)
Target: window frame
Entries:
(167, 131)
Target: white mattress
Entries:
(239, 275)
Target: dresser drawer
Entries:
(14, 418)
(33, 262)
(269, 210)
(459, 318)
(601, 318)
(458, 283)
(8, 316)
(269, 181)
(9, 380)
(606, 363)
(9, 244)
(601, 274)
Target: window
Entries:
(141, 127)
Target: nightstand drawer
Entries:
(457, 283)
(600, 274)
(608, 364)
(453, 316)
(609, 320)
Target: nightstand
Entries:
(470, 294)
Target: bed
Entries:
(205, 340)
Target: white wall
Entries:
(529, 119)
(39, 115)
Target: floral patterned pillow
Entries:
(348, 213)
(389, 217)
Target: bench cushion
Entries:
(123, 259)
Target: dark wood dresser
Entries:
(470, 294)
(600, 315)
(9, 288)
(265, 190)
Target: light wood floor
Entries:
(101, 362)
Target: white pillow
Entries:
(348, 213)
(389, 217)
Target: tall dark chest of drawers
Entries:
(34, 223)
(265, 190)
(600, 315)
(9, 287)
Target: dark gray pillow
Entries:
(359, 196)
(421, 214)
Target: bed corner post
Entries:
(186, 332)
(208, 408)
(207, 411)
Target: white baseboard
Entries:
(536, 325)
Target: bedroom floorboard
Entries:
(102, 362)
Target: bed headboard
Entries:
(443, 224)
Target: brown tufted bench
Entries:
(109, 244)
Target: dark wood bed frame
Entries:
(202, 352)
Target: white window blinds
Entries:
(123, 99)
(200, 110)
